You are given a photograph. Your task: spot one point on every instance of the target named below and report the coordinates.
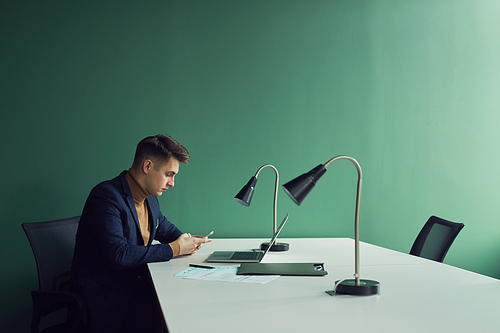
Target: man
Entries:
(120, 219)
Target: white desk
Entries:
(417, 295)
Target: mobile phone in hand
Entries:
(205, 236)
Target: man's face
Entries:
(161, 178)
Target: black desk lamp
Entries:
(298, 189)
(244, 197)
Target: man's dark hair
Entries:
(160, 148)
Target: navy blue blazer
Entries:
(110, 256)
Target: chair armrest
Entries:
(46, 302)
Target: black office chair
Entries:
(53, 243)
(435, 238)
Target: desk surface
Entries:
(417, 295)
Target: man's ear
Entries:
(147, 165)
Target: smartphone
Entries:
(205, 236)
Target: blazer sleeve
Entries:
(117, 233)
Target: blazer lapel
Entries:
(153, 219)
(129, 199)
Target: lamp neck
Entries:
(344, 157)
(275, 205)
(356, 216)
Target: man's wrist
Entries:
(176, 248)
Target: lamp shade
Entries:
(244, 196)
(298, 188)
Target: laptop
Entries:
(245, 256)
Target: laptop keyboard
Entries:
(246, 255)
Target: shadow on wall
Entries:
(16, 304)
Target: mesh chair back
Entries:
(53, 243)
(435, 238)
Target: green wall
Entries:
(408, 88)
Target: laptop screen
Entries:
(275, 236)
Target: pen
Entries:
(201, 266)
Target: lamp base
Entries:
(276, 247)
(349, 287)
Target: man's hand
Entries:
(190, 244)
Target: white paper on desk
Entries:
(195, 270)
(228, 276)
